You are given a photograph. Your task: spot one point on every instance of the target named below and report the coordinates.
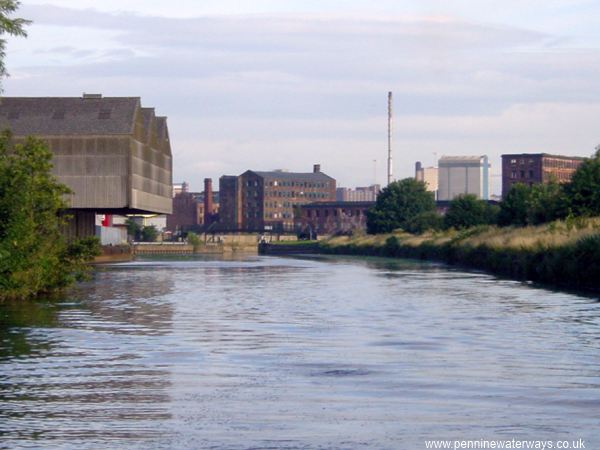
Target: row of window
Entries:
(521, 161)
(513, 174)
(279, 215)
(306, 184)
(250, 183)
(334, 213)
(561, 164)
(296, 194)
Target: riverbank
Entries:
(561, 254)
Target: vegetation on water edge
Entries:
(35, 258)
(561, 253)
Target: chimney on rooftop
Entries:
(92, 95)
(316, 168)
(208, 201)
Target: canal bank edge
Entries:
(552, 255)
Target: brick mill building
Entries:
(534, 168)
(193, 211)
(269, 201)
(329, 218)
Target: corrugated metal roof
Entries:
(54, 116)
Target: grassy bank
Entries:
(565, 254)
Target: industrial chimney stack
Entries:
(208, 201)
(390, 172)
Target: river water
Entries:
(321, 352)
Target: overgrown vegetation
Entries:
(141, 233)
(34, 256)
(562, 253)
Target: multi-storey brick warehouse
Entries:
(328, 218)
(534, 168)
(258, 201)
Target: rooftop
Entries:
(296, 176)
(547, 155)
(54, 116)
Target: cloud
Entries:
(266, 91)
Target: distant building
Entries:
(189, 209)
(428, 175)
(330, 218)
(178, 188)
(459, 175)
(259, 201)
(534, 168)
(359, 194)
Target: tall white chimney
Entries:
(390, 172)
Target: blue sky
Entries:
(285, 84)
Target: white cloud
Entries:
(290, 90)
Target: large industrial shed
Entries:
(114, 154)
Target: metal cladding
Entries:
(114, 154)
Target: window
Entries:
(513, 161)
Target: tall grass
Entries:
(560, 253)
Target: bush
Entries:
(194, 240)
(513, 208)
(425, 221)
(467, 211)
(583, 191)
(34, 256)
(149, 234)
(398, 204)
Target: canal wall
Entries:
(558, 257)
(300, 248)
(114, 254)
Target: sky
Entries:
(276, 84)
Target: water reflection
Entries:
(313, 352)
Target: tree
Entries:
(546, 202)
(133, 229)
(583, 191)
(398, 204)
(34, 256)
(513, 208)
(425, 221)
(467, 211)
(149, 234)
(13, 27)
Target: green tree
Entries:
(583, 191)
(467, 211)
(149, 234)
(425, 221)
(34, 256)
(398, 204)
(546, 202)
(13, 27)
(133, 229)
(514, 207)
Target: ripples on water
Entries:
(297, 353)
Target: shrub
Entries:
(467, 211)
(398, 204)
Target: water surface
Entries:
(297, 353)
